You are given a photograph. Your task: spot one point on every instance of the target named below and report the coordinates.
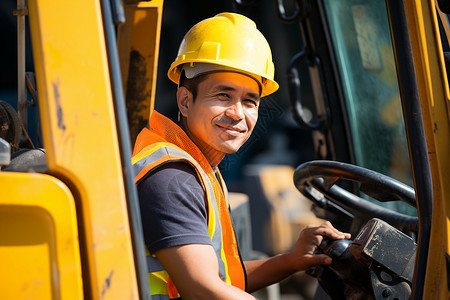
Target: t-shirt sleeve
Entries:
(172, 203)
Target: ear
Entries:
(184, 100)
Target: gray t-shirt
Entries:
(173, 210)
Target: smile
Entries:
(235, 131)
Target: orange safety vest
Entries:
(164, 142)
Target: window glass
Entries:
(362, 44)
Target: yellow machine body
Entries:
(433, 87)
(66, 234)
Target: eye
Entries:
(251, 103)
(223, 96)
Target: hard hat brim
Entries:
(268, 86)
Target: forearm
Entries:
(195, 271)
(218, 290)
(264, 272)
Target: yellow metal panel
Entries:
(434, 97)
(80, 136)
(138, 41)
(39, 251)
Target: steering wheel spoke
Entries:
(328, 182)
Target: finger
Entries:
(332, 233)
(345, 234)
(328, 224)
(320, 259)
(341, 234)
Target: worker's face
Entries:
(223, 115)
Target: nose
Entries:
(235, 111)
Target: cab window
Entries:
(363, 50)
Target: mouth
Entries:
(231, 130)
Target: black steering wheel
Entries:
(322, 175)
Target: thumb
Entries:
(320, 259)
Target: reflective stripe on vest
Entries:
(155, 155)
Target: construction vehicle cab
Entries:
(368, 85)
(378, 71)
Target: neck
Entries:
(213, 156)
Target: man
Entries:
(224, 67)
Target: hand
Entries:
(303, 256)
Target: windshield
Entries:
(363, 50)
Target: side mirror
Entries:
(5, 153)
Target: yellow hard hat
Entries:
(230, 40)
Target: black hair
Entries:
(191, 84)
